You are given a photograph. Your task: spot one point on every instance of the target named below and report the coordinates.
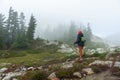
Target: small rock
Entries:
(40, 67)
(52, 76)
(84, 74)
(68, 60)
(67, 65)
(30, 68)
(17, 70)
(3, 75)
(77, 74)
(89, 71)
(23, 69)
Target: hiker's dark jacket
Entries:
(79, 42)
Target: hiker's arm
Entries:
(77, 40)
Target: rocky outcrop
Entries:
(3, 70)
(10, 75)
(108, 63)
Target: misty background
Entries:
(103, 15)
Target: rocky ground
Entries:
(86, 73)
(91, 68)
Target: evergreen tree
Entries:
(21, 41)
(15, 28)
(22, 24)
(31, 28)
(12, 27)
(2, 25)
(8, 29)
(2, 20)
(22, 27)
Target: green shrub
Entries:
(4, 54)
(9, 54)
(99, 68)
(96, 69)
(77, 67)
(100, 55)
(68, 73)
(35, 75)
(65, 73)
(96, 54)
(20, 45)
(103, 55)
(55, 68)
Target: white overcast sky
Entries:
(103, 15)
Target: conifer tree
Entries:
(31, 28)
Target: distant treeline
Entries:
(13, 31)
(68, 33)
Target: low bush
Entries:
(9, 54)
(103, 55)
(65, 73)
(77, 67)
(4, 54)
(99, 68)
(35, 75)
(68, 73)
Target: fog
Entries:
(103, 15)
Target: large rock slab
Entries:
(108, 63)
(9, 75)
(3, 70)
